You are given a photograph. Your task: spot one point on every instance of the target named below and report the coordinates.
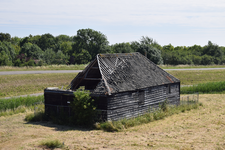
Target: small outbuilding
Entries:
(123, 85)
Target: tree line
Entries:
(47, 49)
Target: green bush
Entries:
(83, 108)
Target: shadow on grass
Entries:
(59, 124)
(58, 127)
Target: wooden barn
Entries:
(123, 85)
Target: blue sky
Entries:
(179, 22)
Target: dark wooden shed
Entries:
(123, 86)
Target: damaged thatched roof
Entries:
(113, 73)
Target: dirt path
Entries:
(196, 129)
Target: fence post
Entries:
(197, 96)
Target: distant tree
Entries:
(207, 60)
(7, 52)
(168, 48)
(47, 41)
(60, 58)
(18, 62)
(196, 59)
(30, 63)
(66, 47)
(4, 59)
(63, 38)
(146, 47)
(31, 50)
(83, 57)
(196, 50)
(121, 48)
(92, 41)
(30, 39)
(153, 53)
(49, 56)
(5, 37)
(15, 40)
(212, 50)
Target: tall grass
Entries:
(206, 88)
(52, 144)
(119, 125)
(14, 103)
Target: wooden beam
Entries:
(89, 68)
(94, 68)
(92, 79)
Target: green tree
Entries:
(60, 58)
(196, 59)
(153, 53)
(32, 50)
(196, 50)
(83, 57)
(66, 47)
(121, 48)
(212, 50)
(63, 38)
(7, 53)
(4, 59)
(5, 37)
(30, 39)
(90, 40)
(146, 47)
(207, 60)
(49, 56)
(168, 48)
(47, 41)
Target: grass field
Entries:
(202, 128)
(50, 67)
(199, 76)
(190, 66)
(14, 85)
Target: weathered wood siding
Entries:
(58, 101)
(120, 105)
(131, 104)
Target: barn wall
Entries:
(131, 104)
(58, 101)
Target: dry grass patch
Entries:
(13, 85)
(202, 128)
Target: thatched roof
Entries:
(114, 73)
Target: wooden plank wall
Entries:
(126, 104)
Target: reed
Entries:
(13, 103)
(206, 88)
